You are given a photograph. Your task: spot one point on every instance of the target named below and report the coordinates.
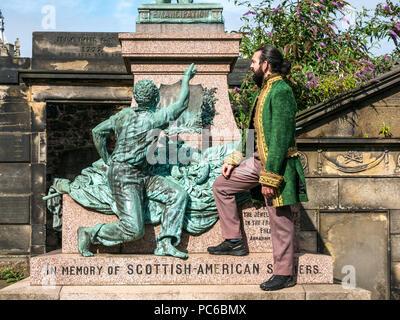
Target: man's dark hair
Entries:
(275, 58)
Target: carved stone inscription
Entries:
(250, 270)
(257, 230)
(82, 51)
(179, 14)
(158, 269)
(90, 46)
(200, 13)
(256, 225)
(173, 269)
(15, 147)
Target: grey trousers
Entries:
(245, 177)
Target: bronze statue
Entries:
(128, 174)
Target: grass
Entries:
(10, 276)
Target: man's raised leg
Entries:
(242, 178)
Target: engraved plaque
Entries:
(14, 210)
(14, 147)
(206, 13)
(15, 178)
(80, 51)
(256, 225)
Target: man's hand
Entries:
(227, 170)
(267, 191)
(191, 71)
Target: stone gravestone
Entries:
(162, 58)
(72, 51)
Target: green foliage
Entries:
(385, 130)
(381, 23)
(241, 99)
(208, 106)
(11, 276)
(326, 60)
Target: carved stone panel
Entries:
(369, 193)
(81, 51)
(356, 162)
(358, 243)
(199, 113)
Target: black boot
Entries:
(277, 283)
(227, 247)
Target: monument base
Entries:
(255, 228)
(56, 268)
(24, 291)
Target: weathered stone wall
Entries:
(364, 120)
(356, 221)
(66, 145)
(70, 147)
(353, 175)
(16, 170)
(353, 180)
(65, 56)
(69, 137)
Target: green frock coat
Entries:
(273, 116)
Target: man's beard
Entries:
(258, 77)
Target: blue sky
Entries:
(22, 17)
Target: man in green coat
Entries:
(274, 164)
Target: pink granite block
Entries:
(197, 46)
(224, 128)
(255, 228)
(75, 216)
(180, 292)
(189, 243)
(105, 269)
(22, 290)
(177, 28)
(179, 68)
(163, 57)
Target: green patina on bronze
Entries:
(182, 12)
(91, 190)
(169, 183)
(199, 113)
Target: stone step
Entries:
(22, 290)
(58, 268)
(255, 225)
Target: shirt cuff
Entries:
(234, 159)
(270, 179)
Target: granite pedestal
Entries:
(134, 263)
(133, 269)
(255, 226)
(163, 58)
